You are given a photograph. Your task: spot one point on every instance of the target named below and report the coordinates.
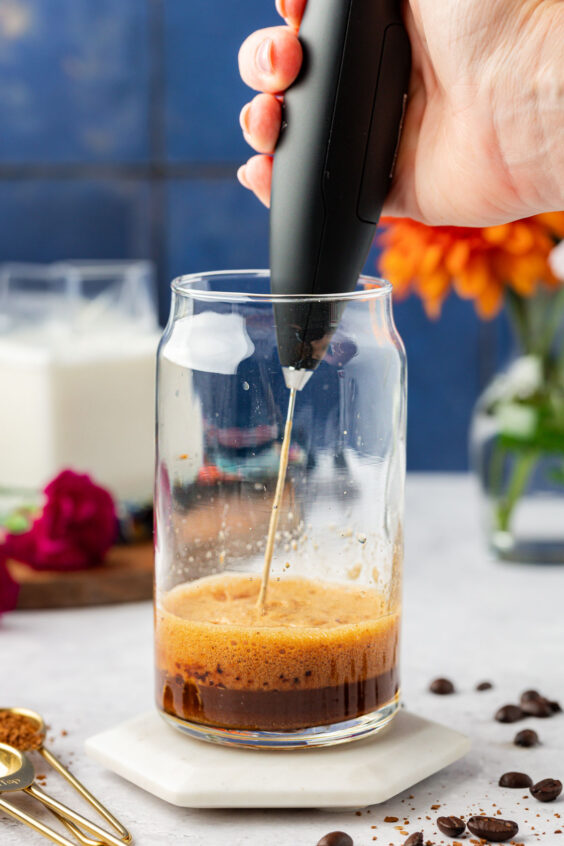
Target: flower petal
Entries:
(475, 279)
(9, 588)
(457, 257)
(496, 234)
(489, 303)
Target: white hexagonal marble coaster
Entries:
(194, 774)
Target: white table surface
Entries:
(466, 617)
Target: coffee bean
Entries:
(515, 780)
(415, 839)
(547, 790)
(492, 828)
(442, 687)
(528, 695)
(533, 695)
(484, 686)
(336, 838)
(452, 826)
(539, 707)
(527, 737)
(509, 714)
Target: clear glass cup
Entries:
(320, 666)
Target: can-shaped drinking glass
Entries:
(317, 663)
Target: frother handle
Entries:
(333, 163)
(335, 155)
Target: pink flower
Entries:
(9, 589)
(75, 529)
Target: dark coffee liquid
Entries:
(322, 653)
(274, 710)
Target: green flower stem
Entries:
(496, 469)
(517, 312)
(524, 465)
(555, 313)
(536, 322)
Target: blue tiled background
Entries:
(119, 138)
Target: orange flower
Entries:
(478, 263)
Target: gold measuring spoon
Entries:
(18, 774)
(37, 720)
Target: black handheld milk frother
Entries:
(332, 170)
(332, 166)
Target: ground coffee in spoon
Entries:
(19, 731)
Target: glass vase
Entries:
(318, 664)
(517, 438)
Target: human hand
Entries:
(480, 143)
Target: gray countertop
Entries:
(466, 617)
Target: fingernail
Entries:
(244, 118)
(281, 7)
(242, 176)
(264, 56)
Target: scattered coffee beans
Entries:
(539, 707)
(336, 838)
(492, 828)
(451, 826)
(535, 705)
(442, 687)
(515, 780)
(527, 737)
(547, 790)
(509, 714)
(484, 686)
(415, 839)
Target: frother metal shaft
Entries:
(279, 493)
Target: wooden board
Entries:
(125, 576)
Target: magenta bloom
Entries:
(74, 530)
(9, 589)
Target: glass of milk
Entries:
(77, 375)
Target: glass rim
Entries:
(185, 285)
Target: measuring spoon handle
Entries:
(24, 818)
(63, 811)
(85, 793)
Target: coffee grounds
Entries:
(19, 731)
